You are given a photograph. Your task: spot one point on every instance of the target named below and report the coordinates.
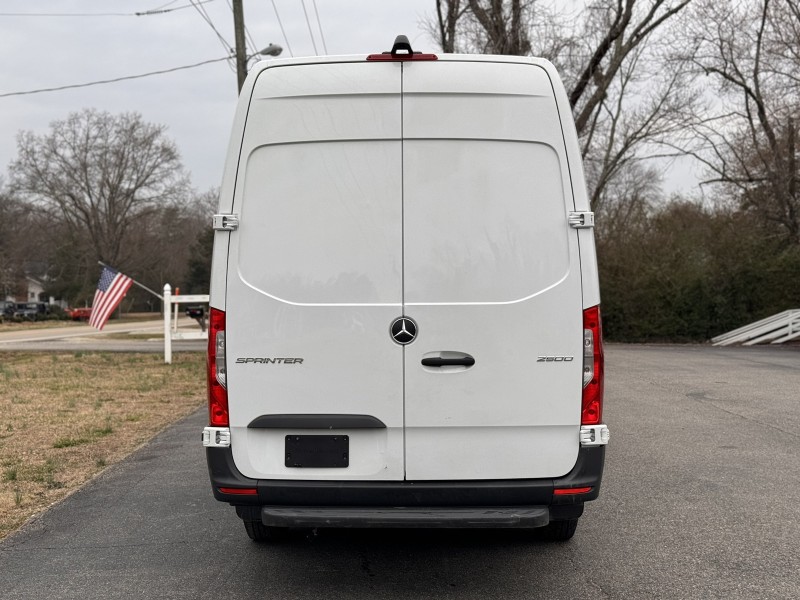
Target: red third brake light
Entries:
(593, 367)
(217, 392)
(389, 56)
(401, 50)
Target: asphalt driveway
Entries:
(700, 500)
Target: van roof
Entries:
(307, 60)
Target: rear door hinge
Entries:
(581, 219)
(225, 222)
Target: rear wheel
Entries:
(258, 532)
(559, 531)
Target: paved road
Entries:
(701, 500)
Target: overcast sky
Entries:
(196, 104)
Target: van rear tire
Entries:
(558, 531)
(258, 532)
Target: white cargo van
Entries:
(404, 325)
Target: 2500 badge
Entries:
(554, 358)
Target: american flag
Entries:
(111, 289)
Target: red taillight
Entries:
(592, 404)
(571, 491)
(217, 393)
(239, 491)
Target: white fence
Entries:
(776, 329)
(171, 322)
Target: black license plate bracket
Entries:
(317, 451)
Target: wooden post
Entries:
(241, 48)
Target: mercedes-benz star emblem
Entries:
(403, 330)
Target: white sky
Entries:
(196, 105)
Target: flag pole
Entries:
(144, 287)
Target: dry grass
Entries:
(67, 416)
(9, 325)
(134, 336)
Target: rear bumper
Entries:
(480, 503)
(434, 517)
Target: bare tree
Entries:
(167, 240)
(503, 25)
(23, 238)
(102, 174)
(448, 13)
(626, 92)
(613, 31)
(750, 53)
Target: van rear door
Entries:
(315, 272)
(491, 273)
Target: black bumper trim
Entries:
(587, 472)
(316, 422)
(436, 517)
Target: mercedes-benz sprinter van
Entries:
(404, 323)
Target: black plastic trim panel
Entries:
(316, 422)
(587, 472)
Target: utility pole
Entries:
(241, 48)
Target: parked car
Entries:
(31, 310)
(79, 314)
(6, 309)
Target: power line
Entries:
(305, 12)
(145, 13)
(319, 24)
(116, 79)
(250, 39)
(167, 10)
(283, 31)
(204, 15)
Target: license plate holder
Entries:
(317, 451)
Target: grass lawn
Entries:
(11, 325)
(68, 416)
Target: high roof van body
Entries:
(405, 325)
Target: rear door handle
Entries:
(465, 360)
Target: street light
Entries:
(271, 50)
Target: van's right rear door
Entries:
(491, 274)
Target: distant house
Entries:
(34, 290)
(36, 293)
(26, 285)
(30, 289)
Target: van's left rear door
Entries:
(315, 270)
